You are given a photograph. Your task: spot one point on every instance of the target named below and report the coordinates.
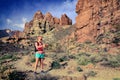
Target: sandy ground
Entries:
(103, 73)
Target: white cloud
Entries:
(9, 21)
(24, 20)
(17, 23)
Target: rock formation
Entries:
(28, 26)
(64, 20)
(43, 23)
(18, 35)
(96, 17)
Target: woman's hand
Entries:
(45, 45)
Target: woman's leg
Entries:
(41, 64)
(36, 64)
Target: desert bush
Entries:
(116, 38)
(7, 56)
(79, 69)
(95, 58)
(112, 61)
(71, 56)
(91, 73)
(16, 75)
(116, 79)
(83, 61)
(114, 64)
(83, 54)
(15, 58)
(63, 58)
(83, 58)
(55, 47)
(3, 68)
(55, 65)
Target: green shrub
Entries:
(95, 58)
(72, 56)
(116, 79)
(3, 68)
(55, 65)
(79, 69)
(63, 58)
(91, 73)
(8, 56)
(112, 61)
(16, 75)
(14, 58)
(55, 47)
(114, 64)
(83, 60)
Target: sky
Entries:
(15, 13)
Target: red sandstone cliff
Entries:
(96, 17)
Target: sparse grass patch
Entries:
(47, 77)
(32, 60)
(116, 79)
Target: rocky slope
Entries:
(95, 17)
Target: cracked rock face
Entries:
(96, 17)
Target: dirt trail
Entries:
(23, 64)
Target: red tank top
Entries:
(40, 48)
